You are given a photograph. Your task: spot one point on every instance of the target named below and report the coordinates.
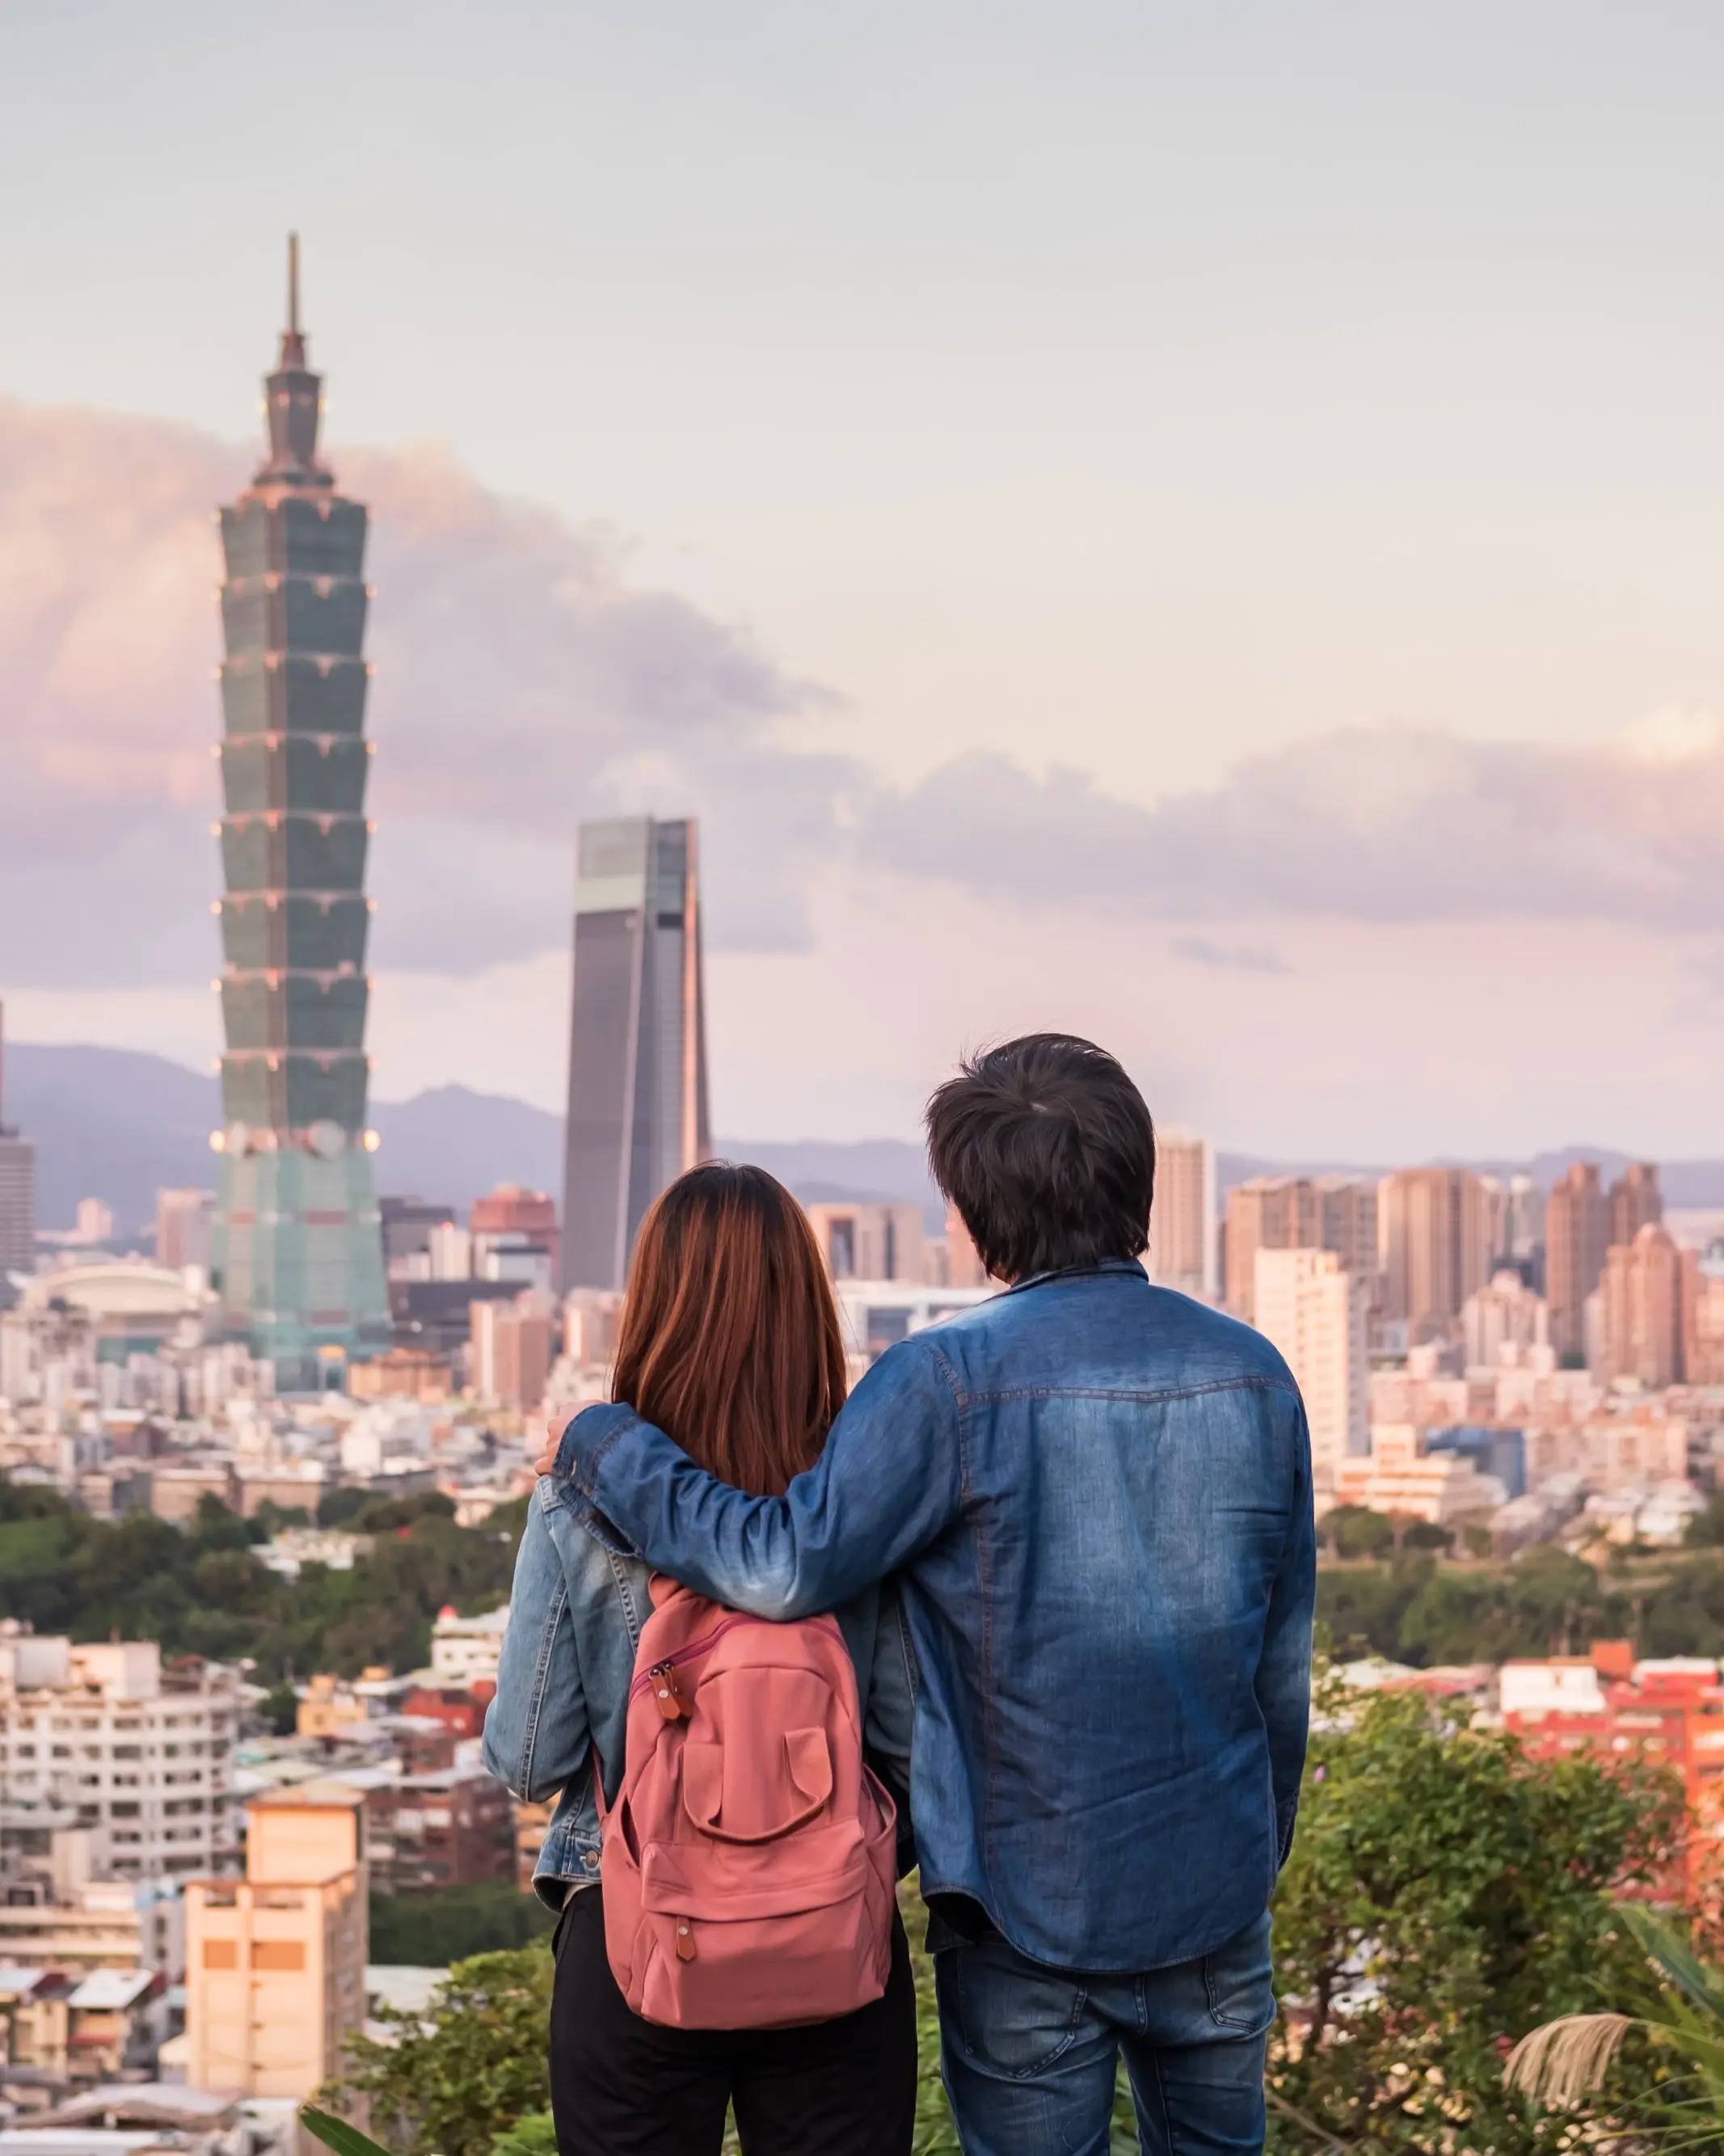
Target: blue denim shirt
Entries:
(575, 1615)
(1098, 1496)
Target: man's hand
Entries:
(546, 1464)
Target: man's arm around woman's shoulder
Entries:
(889, 1481)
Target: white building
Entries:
(93, 1738)
(1441, 1487)
(1182, 1251)
(876, 1314)
(466, 1651)
(1504, 1315)
(1316, 1312)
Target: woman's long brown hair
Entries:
(730, 1339)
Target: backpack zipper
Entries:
(644, 1680)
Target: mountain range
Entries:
(118, 1125)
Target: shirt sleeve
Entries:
(1284, 1671)
(889, 1481)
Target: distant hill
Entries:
(114, 1124)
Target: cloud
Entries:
(1239, 957)
(524, 682)
(521, 685)
(1378, 822)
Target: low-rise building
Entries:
(467, 1651)
(1443, 1488)
(275, 1961)
(424, 1833)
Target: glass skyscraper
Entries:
(637, 1102)
(296, 1253)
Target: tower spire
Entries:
(293, 393)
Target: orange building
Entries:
(1668, 1712)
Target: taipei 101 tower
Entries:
(297, 1256)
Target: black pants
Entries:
(623, 2086)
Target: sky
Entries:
(1196, 524)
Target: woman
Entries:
(730, 1344)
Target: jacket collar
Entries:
(1103, 1265)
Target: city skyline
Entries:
(1273, 676)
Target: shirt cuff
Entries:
(585, 1442)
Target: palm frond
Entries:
(1664, 1946)
(1566, 2060)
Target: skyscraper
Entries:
(1297, 1213)
(1576, 1236)
(1646, 1288)
(637, 1099)
(1433, 1246)
(296, 1251)
(17, 1194)
(1181, 1226)
(1636, 1201)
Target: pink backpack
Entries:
(750, 1860)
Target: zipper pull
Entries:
(684, 1939)
(674, 1702)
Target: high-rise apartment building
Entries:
(183, 1220)
(510, 1351)
(1645, 1319)
(1297, 1213)
(868, 1242)
(96, 1738)
(1636, 1201)
(17, 1194)
(1434, 1233)
(1182, 1222)
(275, 1961)
(1268, 1212)
(296, 1252)
(636, 1096)
(1316, 1311)
(1576, 1235)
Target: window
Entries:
(278, 1953)
(221, 1953)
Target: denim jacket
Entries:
(575, 1616)
(1097, 1495)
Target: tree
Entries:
(431, 1931)
(1445, 1894)
(453, 2076)
(280, 1708)
(1355, 1531)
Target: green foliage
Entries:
(200, 1589)
(337, 2133)
(473, 2064)
(280, 1708)
(533, 2135)
(1571, 2062)
(1546, 1602)
(430, 1931)
(1355, 1531)
(1445, 1894)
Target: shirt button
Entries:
(591, 1860)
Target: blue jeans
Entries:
(1029, 2053)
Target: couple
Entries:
(1067, 1537)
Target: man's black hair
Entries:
(1046, 1148)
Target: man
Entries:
(1098, 1496)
